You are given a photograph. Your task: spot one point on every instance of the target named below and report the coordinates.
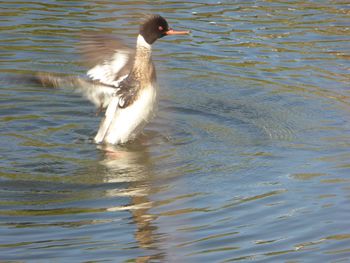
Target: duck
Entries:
(122, 80)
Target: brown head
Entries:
(156, 27)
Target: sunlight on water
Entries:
(247, 159)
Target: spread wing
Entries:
(107, 79)
(110, 57)
(98, 94)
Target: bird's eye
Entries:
(160, 28)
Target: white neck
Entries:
(142, 44)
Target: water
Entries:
(247, 159)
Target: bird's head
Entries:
(155, 27)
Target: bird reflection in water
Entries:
(132, 165)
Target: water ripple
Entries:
(248, 151)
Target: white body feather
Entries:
(123, 124)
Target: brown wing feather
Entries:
(95, 48)
(101, 50)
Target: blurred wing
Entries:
(111, 58)
(107, 120)
(97, 93)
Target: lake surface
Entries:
(248, 158)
